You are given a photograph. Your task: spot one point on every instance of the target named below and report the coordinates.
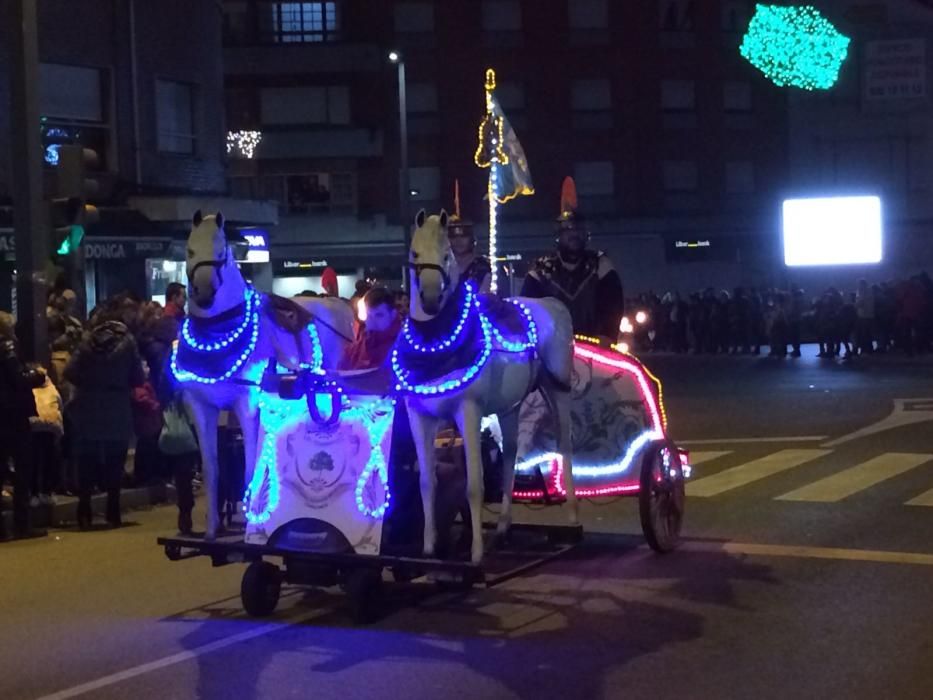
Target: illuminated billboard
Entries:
(832, 231)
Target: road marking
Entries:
(924, 499)
(180, 657)
(777, 550)
(700, 457)
(905, 412)
(858, 478)
(755, 470)
(739, 441)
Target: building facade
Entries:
(671, 136)
(141, 83)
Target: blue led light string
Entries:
(418, 346)
(251, 298)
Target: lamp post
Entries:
(404, 184)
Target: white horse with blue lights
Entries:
(230, 336)
(453, 363)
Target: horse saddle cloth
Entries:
(287, 314)
(507, 318)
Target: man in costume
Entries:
(472, 266)
(583, 279)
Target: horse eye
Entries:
(414, 255)
(190, 252)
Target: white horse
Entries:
(219, 295)
(498, 388)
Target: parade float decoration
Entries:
(500, 151)
(795, 46)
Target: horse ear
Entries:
(197, 218)
(443, 218)
(219, 220)
(419, 218)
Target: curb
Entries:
(63, 513)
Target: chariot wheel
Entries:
(260, 588)
(364, 595)
(661, 497)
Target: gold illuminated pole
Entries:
(489, 154)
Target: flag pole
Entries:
(492, 184)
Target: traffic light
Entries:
(69, 210)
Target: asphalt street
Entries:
(806, 572)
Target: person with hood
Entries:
(17, 407)
(583, 279)
(103, 370)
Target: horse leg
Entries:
(205, 423)
(423, 431)
(248, 417)
(468, 422)
(508, 424)
(558, 400)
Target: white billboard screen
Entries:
(832, 231)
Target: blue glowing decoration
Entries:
(317, 350)
(596, 470)
(417, 346)
(279, 415)
(489, 332)
(252, 299)
(183, 375)
(51, 154)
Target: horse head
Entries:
(214, 281)
(434, 270)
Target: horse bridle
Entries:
(218, 266)
(420, 267)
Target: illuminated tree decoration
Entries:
(795, 46)
(243, 144)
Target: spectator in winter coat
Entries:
(104, 369)
(17, 406)
(865, 310)
(47, 429)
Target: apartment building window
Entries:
(73, 110)
(589, 21)
(502, 23)
(680, 176)
(740, 177)
(414, 17)
(677, 15)
(591, 101)
(175, 117)
(300, 22)
(737, 97)
(594, 178)
(301, 193)
(678, 96)
(305, 106)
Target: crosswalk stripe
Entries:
(699, 457)
(924, 499)
(755, 470)
(858, 478)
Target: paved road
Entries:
(806, 574)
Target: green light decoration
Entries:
(795, 46)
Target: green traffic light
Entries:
(72, 240)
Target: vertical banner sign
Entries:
(895, 70)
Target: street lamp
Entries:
(404, 185)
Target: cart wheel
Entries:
(364, 595)
(173, 552)
(661, 498)
(260, 589)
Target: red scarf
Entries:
(371, 348)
